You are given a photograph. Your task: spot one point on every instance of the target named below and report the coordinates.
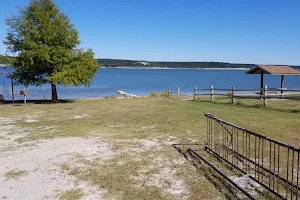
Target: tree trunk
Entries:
(54, 93)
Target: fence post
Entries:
(211, 93)
(232, 94)
(169, 92)
(265, 95)
(178, 92)
(195, 93)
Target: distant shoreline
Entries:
(214, 68)
(178, 68)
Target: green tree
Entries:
(3, 59)
(45, 44)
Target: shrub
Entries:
(153, 94)
(110, 97)
(229, 94)
(164, 94)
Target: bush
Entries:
(164, 94)
(229, 94)
(110, 97)
(153, 94)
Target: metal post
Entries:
(178, 92)
(232, 94)
(211, 93)
(169, 91)
(265, 97)
(195, 93)
(25, 99)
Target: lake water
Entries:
(143, 81)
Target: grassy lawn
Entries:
(140, 133)
(290, 103)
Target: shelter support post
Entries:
(261, 82)
(282, 85)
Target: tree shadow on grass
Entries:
(38, 101)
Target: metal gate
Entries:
(273, 164)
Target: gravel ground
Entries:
(41, 162)
(34, 169)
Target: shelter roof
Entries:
(273, 70)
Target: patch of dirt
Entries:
(80, 116)
(45, 178)
(170, 140)
(117, 126)
(6, 120)
(148, 144)
(31, 120)
(136, 145)
(149, 127)
(9, 133)
(47, 128)
(247, 183)
(161, 174)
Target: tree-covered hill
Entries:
(160, 64)
(4, 59)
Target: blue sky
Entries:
(239, 31)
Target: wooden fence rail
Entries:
(259, 93)
(264, 93)
(173, 91)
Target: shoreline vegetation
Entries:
(138, 64)
(119, 63)
(144, 67)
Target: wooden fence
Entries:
(264, 93)
(174, 91)
(233, 93)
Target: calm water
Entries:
(143, 81)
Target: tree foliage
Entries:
(165, 64)
(45, 44)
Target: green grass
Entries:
(273, 103)
(14, 174)
(123, 122)
(71, 194)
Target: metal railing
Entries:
(273, 164)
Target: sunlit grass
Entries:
(122, 121)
